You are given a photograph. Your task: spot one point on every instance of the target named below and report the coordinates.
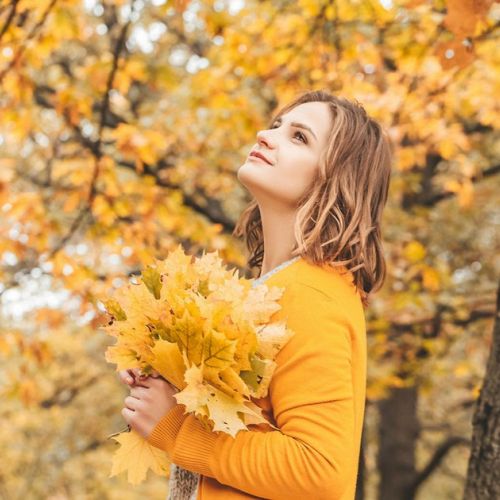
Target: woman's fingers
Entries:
(153, 374)
(138, 392)
(126, 376)
(134, 376)
(131, 402)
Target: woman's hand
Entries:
(148, 403)
(134, 376)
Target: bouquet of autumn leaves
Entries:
(204, 330)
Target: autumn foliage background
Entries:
(123, 124)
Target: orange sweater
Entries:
(316, 398)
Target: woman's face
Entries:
(293, 154)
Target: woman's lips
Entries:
(259, 157)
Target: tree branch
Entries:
(97, 152)
(65, 395)
(439, 454)
(25, 44)
(10, 17)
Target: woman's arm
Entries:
(311, 394)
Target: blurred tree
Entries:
(483, 481)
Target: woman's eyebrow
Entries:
(299, 125)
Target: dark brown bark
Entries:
(360, 480)
(483, 472)
(398, 434)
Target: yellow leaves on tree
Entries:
(466, 20)
(141, 146)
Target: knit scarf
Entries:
(183, 484)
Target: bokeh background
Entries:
(122, 126)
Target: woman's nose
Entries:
(263, 138)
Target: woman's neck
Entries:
(279, 238)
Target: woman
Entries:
(319, 176)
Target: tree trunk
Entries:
(483, 472)
(398, 433)
(360, 480)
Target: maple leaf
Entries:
(231, 379)
(195, 394)
(151, 278)
(271, 338)
(174, 298)
(168, 362)
(136, 302)
(221, 409)
(115, 309)
(218, 350)
(188, 333)
(123, 356)
(162, 327)
(259, 377)
(254, 416)
(136, 456)
(224, 412)
(260, 303)
(211, 268)
(134, 341)
(246, 346)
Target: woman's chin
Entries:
(247, 172)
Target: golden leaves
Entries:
(206, 331)
(186, 313)
(218, 351)
(463, 16)
(137, 456)
(464, 190)
(168, 362)
(141, 146)
(205, 400)
(414, 251)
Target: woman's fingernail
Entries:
(129, 380)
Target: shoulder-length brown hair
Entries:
(338, 218)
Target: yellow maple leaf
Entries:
(133, 338)
(168, 362)
(246, 346)
(136, 302)
(195, 394)
(235, 383)
(188, 333)
(136, 456)
(222, 410)
(178, 268)
(218, 350)
(258, 378)
(271, 338)
(152, 279)
(260, 303)
(115, 309)
(123, 356)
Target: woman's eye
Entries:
(300, 134)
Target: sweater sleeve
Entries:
(311, 393)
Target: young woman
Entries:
(319, 176)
